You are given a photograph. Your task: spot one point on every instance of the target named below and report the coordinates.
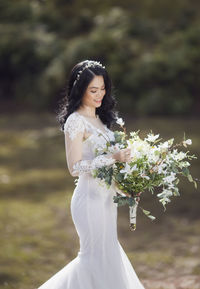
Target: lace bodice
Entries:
(81, 154)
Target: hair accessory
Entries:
(89, 63)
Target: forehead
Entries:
(97, 81)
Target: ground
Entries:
(37, 233)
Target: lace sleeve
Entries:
(73, 126)
(74, 132)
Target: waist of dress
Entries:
(86, 179)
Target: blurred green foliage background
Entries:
(150, 48)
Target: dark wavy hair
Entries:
(74, 93)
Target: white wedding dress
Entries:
(101, 262)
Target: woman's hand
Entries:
(123, 155)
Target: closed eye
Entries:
(96, 91)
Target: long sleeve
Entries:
(74, 131)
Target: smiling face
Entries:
(95, 92)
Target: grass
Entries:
(38, 237)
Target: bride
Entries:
(86, 118)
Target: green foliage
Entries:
(147, 213)
(150, 49)
(104, 173)
(122, 201)
(187, 174)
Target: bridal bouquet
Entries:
(155, 165)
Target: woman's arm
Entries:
(74, 132)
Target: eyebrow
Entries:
(94, 86)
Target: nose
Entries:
(99, 95)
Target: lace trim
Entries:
(73, 125)
(86, 166)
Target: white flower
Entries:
(134, 168)
(115, 148)
(152, 137)
(134, 134)
(153, 155)
(170, 142)
(169, 179)
(183, 164)
(165, 196)
(161, 168)
(120, 121)
(145, 177)
(178, 156)
(187, 142)
(164, 145)
(139, 148)
(166, 193)
(127, 170)
(171, 186)
(164, 201)
(114, 166)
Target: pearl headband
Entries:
(90, 63)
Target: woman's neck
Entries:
(87, 111)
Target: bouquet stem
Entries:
(133, 213)
(132, 216)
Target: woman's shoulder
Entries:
(73, 116)
(73, 124)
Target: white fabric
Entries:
(81, 160)
(101, 262)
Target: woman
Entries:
(86, 118)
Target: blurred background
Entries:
(151, 50)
